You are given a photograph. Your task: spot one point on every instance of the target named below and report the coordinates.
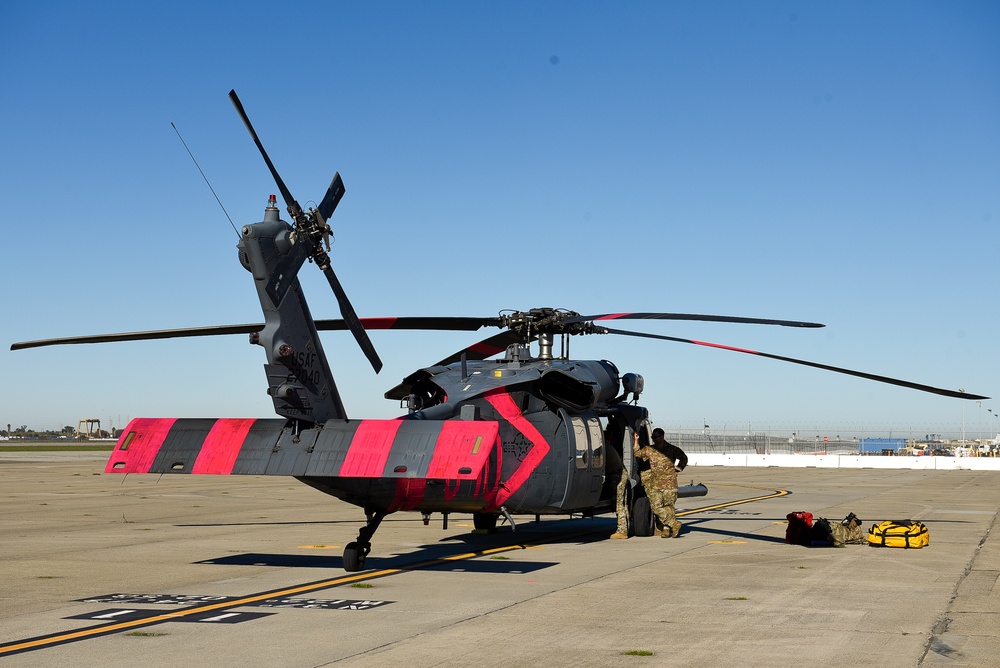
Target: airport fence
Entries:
(761, 443)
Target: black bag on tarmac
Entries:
(822, 535)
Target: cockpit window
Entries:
(581, 440)
(596, 443)
(588, 436)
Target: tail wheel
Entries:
(354, 557)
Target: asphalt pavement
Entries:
(246, 571)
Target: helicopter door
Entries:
(628, 455)
(585, 476)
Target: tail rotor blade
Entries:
(332, 198)
(290, 202)
(352, 320)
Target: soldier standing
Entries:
(659, 465)
(616, 473)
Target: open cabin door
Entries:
(585, 475)
(628, 454)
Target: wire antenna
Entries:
(204, 177)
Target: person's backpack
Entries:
(799, 527)
(821, 534)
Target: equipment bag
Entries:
(821, 534)
(898, 533)
(848, 531)
(799, 528)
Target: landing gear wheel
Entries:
(355, 553)
(354, 557)
(485, 522)
(643, 522)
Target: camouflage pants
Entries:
(662, 503)
(621, 505)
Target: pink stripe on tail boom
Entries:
(369, 450)
(139, 444)
(222, 446)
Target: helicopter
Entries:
(520, 434)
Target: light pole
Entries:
(996, 425)
(962, 390)
(980, 404)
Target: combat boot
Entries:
(665, 533)
(619, 535)
(676, 528)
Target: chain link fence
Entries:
(761, 443)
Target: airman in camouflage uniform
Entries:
(615, 469)
(659, 464)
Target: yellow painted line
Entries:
(180, 614)
(736, 484)
(105, 629)
(774, 495)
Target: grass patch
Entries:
(362, 585)
(145, 634)
(500, 557)
(638, 652)
(737, 598)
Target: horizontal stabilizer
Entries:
(432, 450)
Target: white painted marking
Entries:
(113, 614)
(219, 618)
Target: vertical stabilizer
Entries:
(299, 379)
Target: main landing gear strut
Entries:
(355, 553)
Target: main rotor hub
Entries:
(547, 321)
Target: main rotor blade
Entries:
(433, 323)
(218, 330)
(332, 198)
(695, 316)
(430, 323)
(285, 193)
(353, 323)
(825, 367)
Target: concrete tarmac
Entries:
(246, 571)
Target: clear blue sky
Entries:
(828, 161)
